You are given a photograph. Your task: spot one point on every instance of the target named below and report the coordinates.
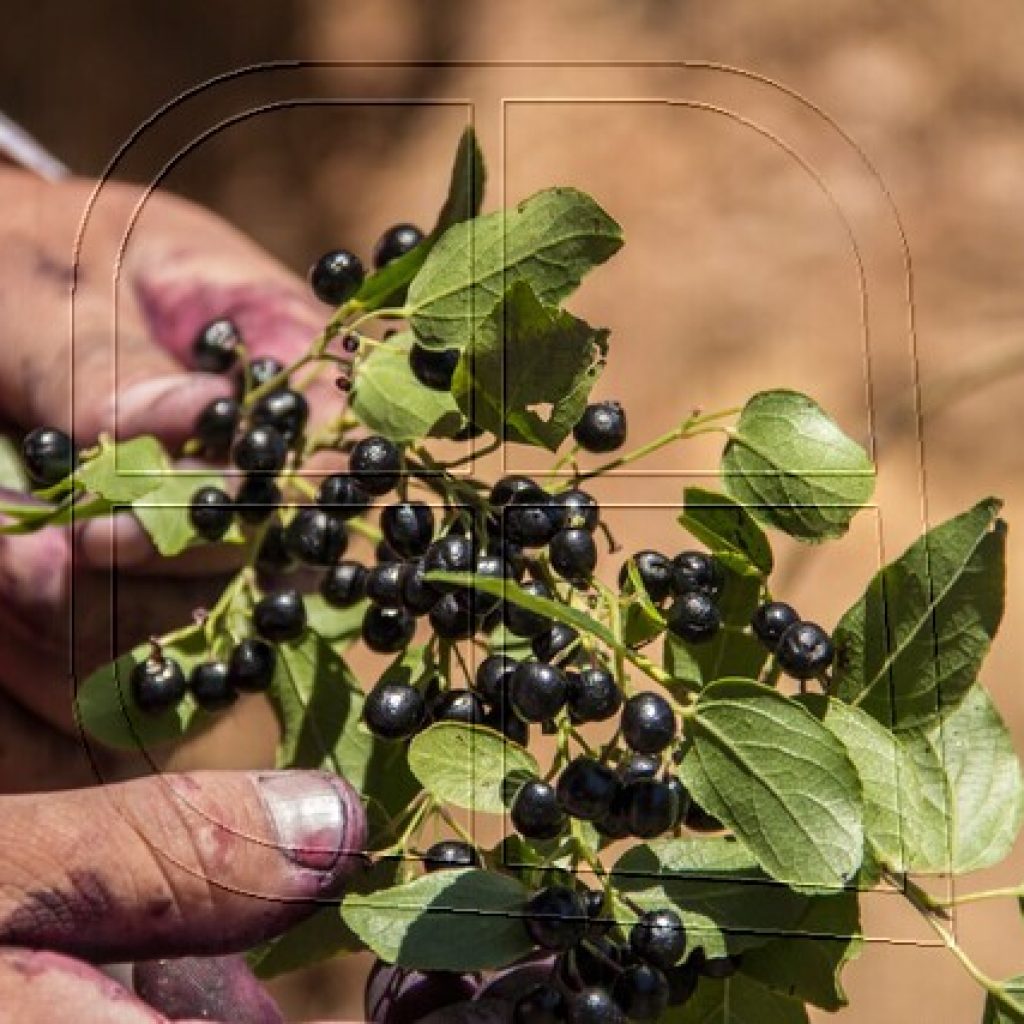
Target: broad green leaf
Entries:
(733, 652)
(975, 755)
(727, 528)
(726, 902)
(389, 399)
(336, 625)
(794, 469)
(467, 920)
(769, 770)
(905, 802)
(549, 241)
(808, 964)
(12, 470)
(913, 644)
(321, 707)
(106, 710)
(387, 287)
(125, 471)
(164, 512)
(997, 1012)
(470, 766)
(737, 1000)
(528, 371)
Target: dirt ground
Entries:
(761, 251)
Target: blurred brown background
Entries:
(738, 274)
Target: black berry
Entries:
(492, 677)
(771, 620)
(508, 487)
(648, 723)
(450, 853)
(216, 424)
(257, 498)
(344, 584)
(210, 683)
(523, 622)
(595, 1005)
(594, 696)
(280, 617)
(536, 813)
(805, 650)
(395, 242)
(602, 427)
(491, 567)
(393, 711)
(215, 347)
(341, 494)
(641, 992)
(251, 666)
(542, 1004)
(273, 556)
(695, 570)
(586, 789)
(653, 808)
(336, 276)
(557, 644)
(458, 706)
(408, 527)
(285, 410)
(384, 584)
(556, 918)
(376, 463)
(316, 537)
(452, 553)
(538, 691)
(600, 919)
(433, 367)
(387, 630)
(530, 518)
(451, 617)
(504, 720)
(639, 766)
(655, 572)
(210, 512)
(258, 372)
(261, 450)
(573, 554)
(577, 509)
(694, 617)
(418, 596)
(49, 454)
(158, 684)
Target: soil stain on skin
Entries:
(55, 917)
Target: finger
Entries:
(174, 865)
(208, 988)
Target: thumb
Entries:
(174, 865)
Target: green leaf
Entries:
(732, 653)
(106, 710)
(642, 621)
(387, 287)
(975, 754)
(737, 1000)
(769, 770)
(997, 1012)
(728, 529)
(794, 469)
(726, 902)
(905, 803)
(470, 766)
(336, 625)
(913, 644)
(13, 476)
(164, 512)
(549, 241)
(389, 399)
(529, 370)
(321, 708)
(466, 920)
(125, 471)
(808, 964)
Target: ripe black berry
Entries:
(280, 617)
(384, 584)
(642, 992)
(593, 695)
(615, 823)
(523, 622)
(215, 347)
(215, 426)
(395, 242)
(639, 766)
(771, 620)
(432, 367)
(451, 617)
(341, 494)
(558, 644)
(694, 617)
(273, 556)
(492, 567)
(658, 937)
(418, 596)
(600, 920)
(542, 1004)
(158, 684)
(586, 789)
(655, 572)
(450, 853)
(408, 526)
(648, 724)
(387, 630)
(261, 450)
(49, 454)
(211, 687)
(805, 650)
(344, 584)
(257, 373)
(573, 554)
(393, 711)
(457, 706)
(530, 518)
(251, 666)
(556, 918)
(508, 487)
(336, 276)
(682, 798)
(653, 808)
(695, 570)
(376, 464)
(602, 427)
(504, 720)
(452, 553)
(595, 1005)
(257, 498)
(285, 410)
(316, 537)
(536, 813)
(492, 677)
(537, 691)
(577, 509)
(210, 513)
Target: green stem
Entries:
(1015, 892)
